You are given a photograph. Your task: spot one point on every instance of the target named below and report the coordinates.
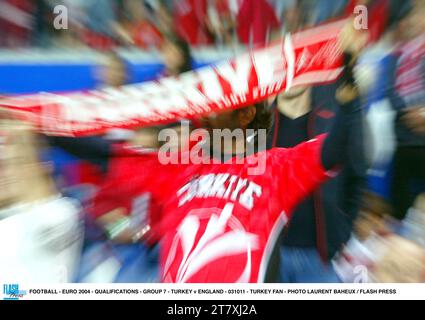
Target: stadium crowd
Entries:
(110, 23)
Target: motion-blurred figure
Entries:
(176, 56)
(323, 222)
(408, 99)
(40, 231)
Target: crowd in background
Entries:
(103, 24)
(385, 230)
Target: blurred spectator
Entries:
(108, 23)
(40, 231)
(176, 56)
(114, 73)
(378, 253)
(80, 178)
(408, 99)
(322, 223)
(133, 261)
(177, 59)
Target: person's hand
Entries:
(414, 119)
(347, 93)
(351, 42)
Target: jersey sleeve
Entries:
(298, 171)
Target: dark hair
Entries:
(184, 48)
(263, 117)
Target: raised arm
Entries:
(305, 167)
(336, 145)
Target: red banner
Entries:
(309, 57)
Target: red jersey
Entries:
(219, 222)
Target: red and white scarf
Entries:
(308, 57)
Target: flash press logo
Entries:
(12, 292)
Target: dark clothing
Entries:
(325, 220)
(409, 158)
(409, 167)
(93, 149)
(295, 130)
(291, 133)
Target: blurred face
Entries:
(234, 120)
(172, 57)
(114, 72)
